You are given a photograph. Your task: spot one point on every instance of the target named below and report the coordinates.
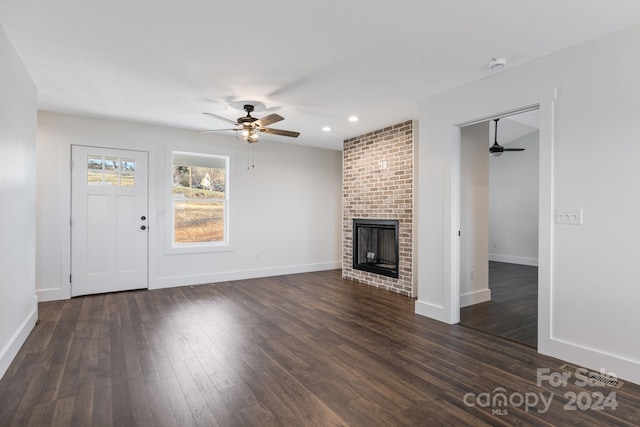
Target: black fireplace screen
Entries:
(375, 246)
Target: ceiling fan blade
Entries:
(280, 132)
(217, 130)
(221, 118)
(267, 120)
(513, 149)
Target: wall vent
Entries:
(598, 378)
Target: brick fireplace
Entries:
(377, 179)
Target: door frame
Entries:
(70, 207)
(544, 102)
(463, 215)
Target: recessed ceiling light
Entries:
(326, 128)
(353, 119)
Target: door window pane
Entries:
(127, 172)
(110, 171)
(94, 170)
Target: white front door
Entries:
(109, 220)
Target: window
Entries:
(117, 171)
(199, 199)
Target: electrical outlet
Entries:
(472, 274)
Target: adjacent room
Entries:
(241, 214)
(499, 215)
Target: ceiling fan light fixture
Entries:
(496, 154)
(253, 137)
(250, 134)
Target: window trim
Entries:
(171, 247)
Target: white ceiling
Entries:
(315, 63)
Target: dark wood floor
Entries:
(512, 312)
(298, 350)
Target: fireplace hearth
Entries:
(375, 246)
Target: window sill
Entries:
(194, 249)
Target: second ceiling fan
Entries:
(496, 149)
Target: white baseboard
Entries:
(54, 294)
(10, 350)
(198, 279)
(514, 259)
(476, 297)
(623, 368)
(436, 312)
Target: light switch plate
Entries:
(569, 216)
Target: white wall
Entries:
(474, 214)
(18, 303)
(589, 149)
(513, 203)
(285, 213)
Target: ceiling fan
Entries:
(496, 149)
(250, 128)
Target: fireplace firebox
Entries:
(375, 246)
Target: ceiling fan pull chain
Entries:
(251, 158)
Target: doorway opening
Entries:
(499, 228)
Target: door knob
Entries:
(144, 227)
